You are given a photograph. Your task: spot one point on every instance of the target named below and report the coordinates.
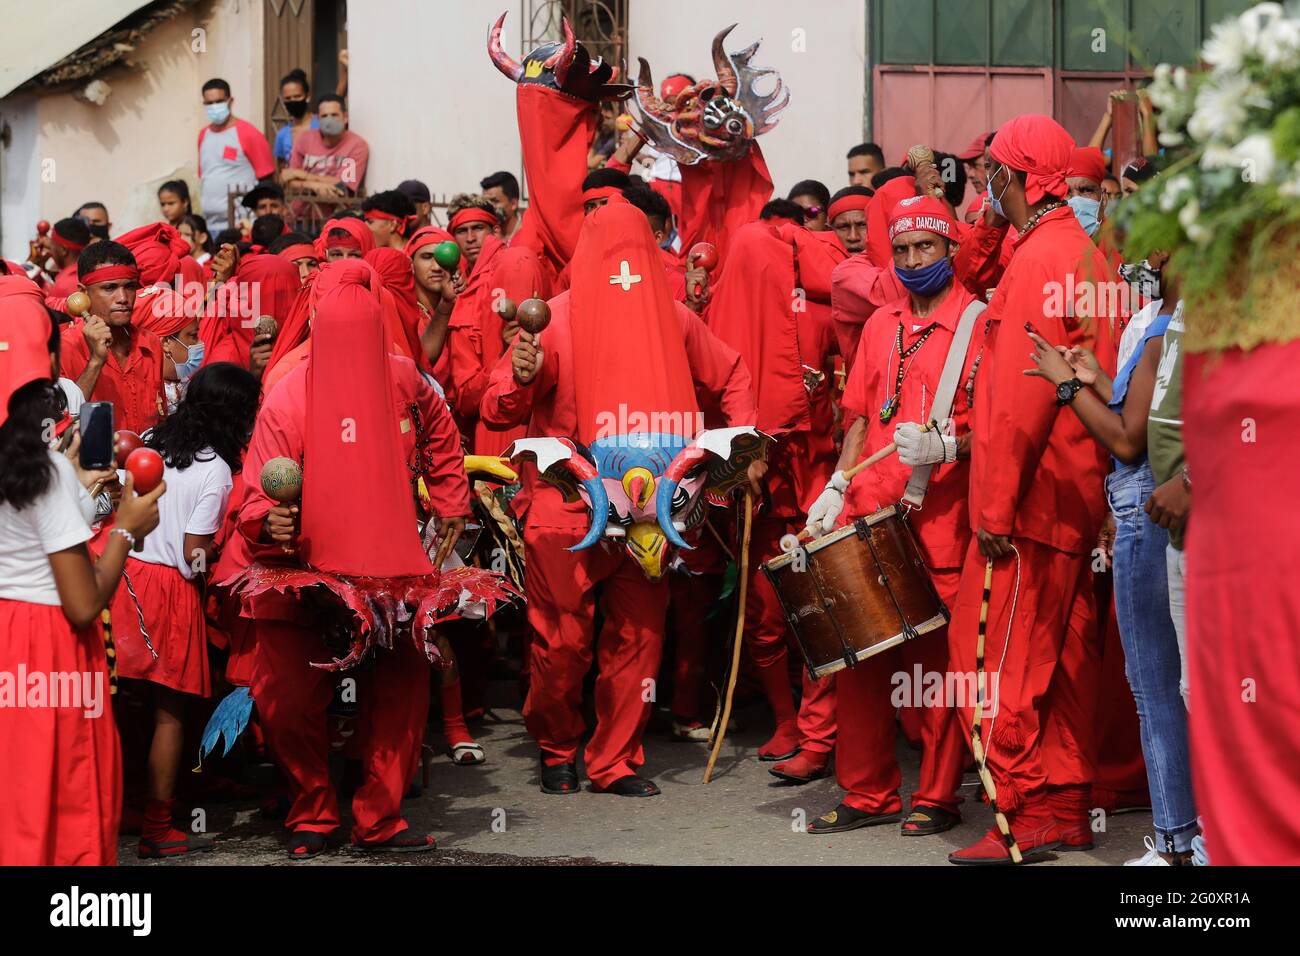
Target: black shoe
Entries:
(845, 817)
(560, 778)
(632, 786)
(304, 844)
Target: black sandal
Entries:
(845, 817)
(304, 844)
(560, 778)
(404, 841)
(925, 820)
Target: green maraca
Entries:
(447, 255)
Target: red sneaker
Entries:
(991, 850)
(804, 767)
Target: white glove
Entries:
(917, 447)
(829, 504)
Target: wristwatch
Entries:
(1066, 391)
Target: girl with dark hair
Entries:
(59, 753)
(194, 229)
(295, 94)
(161, 631)
(174, 201)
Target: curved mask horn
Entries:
(588, 477)
(686, 459)
(722, 63)
(512, 68)
(566, 54)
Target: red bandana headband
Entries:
(302, 250)
(601, 192)
(109, 273)
(846, 204)
(347, 241)
(68, 243)
(403, 222)
(472, 214)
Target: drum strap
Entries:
(944, 394)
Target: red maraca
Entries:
(43, 227)
(124, 443)
(703, 255)
(146, 466)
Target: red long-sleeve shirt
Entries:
(858, 288)
(547, 403)
(1035, 471)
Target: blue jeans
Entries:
(1151, 659)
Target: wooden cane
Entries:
(720, 729)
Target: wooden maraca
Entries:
(78, 304)
(705, 256)
(282, 482)
(533, 315)
(921, 155)
(506, 308)
(267, 328)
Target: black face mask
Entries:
(296, 108)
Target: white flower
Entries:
(1221, 104)
(1217, 156)
(1280, 45)
(1258, 21)
(1180, 79)
(1254, 155)
(1171, 139)
(1174, 190)
(1187, 218)
(1226, 48)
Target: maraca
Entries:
(506, 308)
(447, 255)
(267, 328)
(705, 256)
(921, 155)
(78, 304)
(124, 443)
(146, 466)
(43, 227)
(533, 315)
(282, 482)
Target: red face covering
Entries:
(24, 338)
(358, 507)
(158, 249)
(628, 347)
(1039, 147)
(262, 285)
(752, 312)
(394, 269)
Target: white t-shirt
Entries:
(194, 503)
(56, 520)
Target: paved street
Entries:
(745, 816)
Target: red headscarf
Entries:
(1088, 162)
(262, 285)
(160, 310)
(1039, 147)
(879, 249)
(352, 447)
(752, 312)
(355, 227)
(430, 235)
(158, 249)
(394, 269)
(628, 347)
(24, 337)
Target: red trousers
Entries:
(292, 696)
(692, 595)
(561, 607)
(868, 695)
(1041, 732)
(1120, 765)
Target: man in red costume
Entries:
(390, 418)
(609, 344)
(476, 332)
(757, 309)
(891, 394)
(435, 295)
(1036, 508)
(62, 245)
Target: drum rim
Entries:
(925, 627)
(831, 537)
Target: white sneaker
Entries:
(1151, 858)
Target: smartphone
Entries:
(96, 421)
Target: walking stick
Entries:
(720, 729)
(976, 745)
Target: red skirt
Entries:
(173, 616)
(60, 766)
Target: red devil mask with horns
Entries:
(563, 65)
(714, 119)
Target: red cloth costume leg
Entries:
(1243, 608)
(291, 698)
(561, 607)
(1045, 599)
(865, 763)
(690, 595)
(67, 809)
(1121, 772)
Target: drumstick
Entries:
(720, 729)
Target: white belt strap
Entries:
(945, 393)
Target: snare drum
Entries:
(856, 592)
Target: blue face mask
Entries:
(927, 280)
(193, 359)
(1086, 211)
(996, 201)
(218, 113)
(669, 239)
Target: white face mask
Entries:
(218, 113)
